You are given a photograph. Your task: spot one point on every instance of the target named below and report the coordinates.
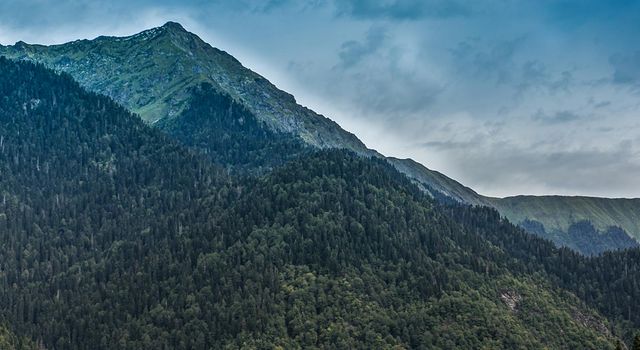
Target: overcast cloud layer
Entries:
(506, 96)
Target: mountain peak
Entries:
(173, 26)
(170, 28)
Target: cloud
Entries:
(401, 9)
(626, 68)
(352, 51)
(259, 6)
(584, 11)
(499, 63)
(602, 104)
(559, 117)
(508, 167)
(489, 61)
(450, 145)
(373, 72)
(534, 74)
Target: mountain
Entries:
(155, 73)
(205, 98)
(113, 235)
(87, 189)
(587, 224)
(152, 73)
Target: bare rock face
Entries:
(511, 299)
(592, 322)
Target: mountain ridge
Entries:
(152, 73)
(178, 60)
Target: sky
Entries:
(506, 96)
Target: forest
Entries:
(114, 235)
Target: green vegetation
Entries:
(561, 218)
(559, 213)
(9, 341)
(114, 236)
(229, 134)
(587, 225)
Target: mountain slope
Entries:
(560, 216)
(560, 211)
(81, 180)
(230, 134)
(441, 185)
(114, 236)
(158, 74)
(151, 74)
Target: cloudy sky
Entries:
(506, 96)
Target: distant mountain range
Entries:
(166, 74)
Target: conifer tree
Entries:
(636, 342)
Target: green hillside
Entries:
(230, 134)
(558, 214)
(114, 236)
(561, 219)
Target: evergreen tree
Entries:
(636, 342)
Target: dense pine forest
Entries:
(113, 235)
(226, 131)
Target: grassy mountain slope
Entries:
(155, 73)
(559, 214)
(114, 236)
